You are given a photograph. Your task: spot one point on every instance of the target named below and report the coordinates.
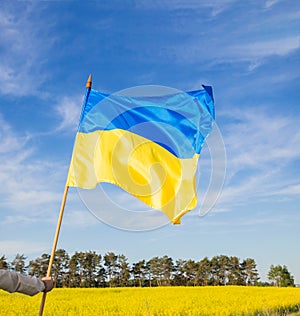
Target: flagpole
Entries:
(59, 221)
(61, 213)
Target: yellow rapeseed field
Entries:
(166, 301)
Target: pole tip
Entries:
(89, 82)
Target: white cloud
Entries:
(262, 49)
(22, 51)
(216, 6)
(79, 218)
(258, 138)
(293, 189)
(11, 247)
(252, 42)
(8, 141)
(121, 210)
(270, 3)
(28, 183)
(260, 147)
(13, 219)
(68, 110)
(224, 50)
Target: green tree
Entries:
(92, 267)
(250, 273)
(81, 268)
(224, 266)
(154, 271)
(167, 268)
(179, 273)
(18, 264)
(123, 272)
(235, 273)
(110, 261)
(73, 277)
(274, 274)
(203, 272)
(139, 272)
(190, 269)
(148, 273)
(280, 276)
(34, 267)
(215, 270)
(287, 278)
(3, 263)
(45, 258)
(39, 266)
(60, 268)
(77, 274)
(160, 270)
(101, 275)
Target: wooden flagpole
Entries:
(60, 217)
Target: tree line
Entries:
(90, 269)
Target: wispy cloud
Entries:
(270, 139)
(216, 6)
(270, 3)
(250, 38)
(68, 110)
(11, 247)
(253, 52)
(257, 50)
(80, 218)
(120, 210)
(27, 183)
(260, 147)
(293, 189)
(22, 50)
(8, 141)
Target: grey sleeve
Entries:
(15, 282)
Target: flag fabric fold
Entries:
(148, 146)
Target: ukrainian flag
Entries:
(148, 146)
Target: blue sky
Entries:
(249, 51)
